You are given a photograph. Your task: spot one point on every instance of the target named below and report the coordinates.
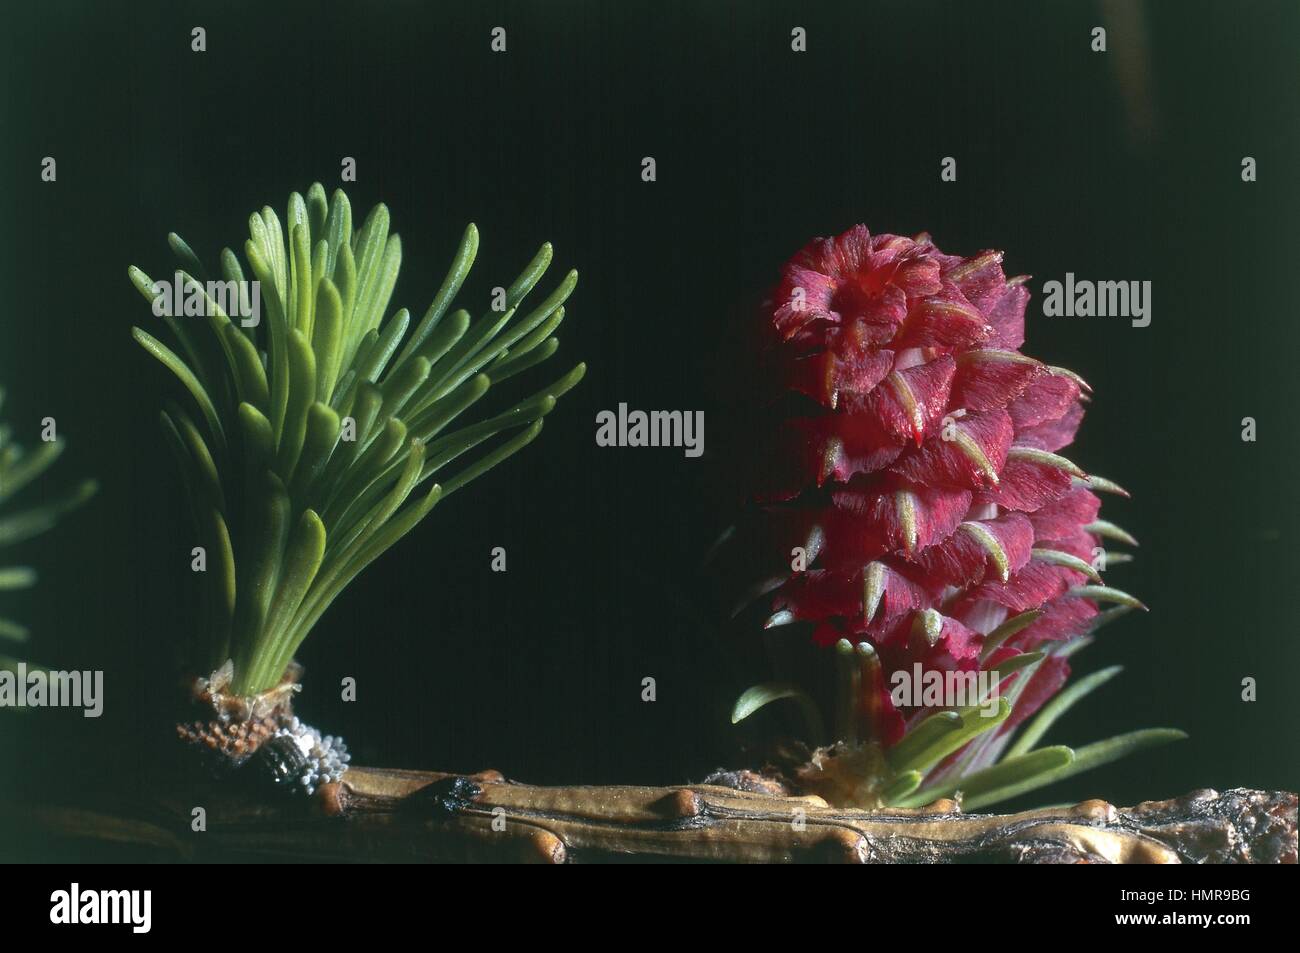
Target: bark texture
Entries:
(392, 815)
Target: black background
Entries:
(1123, 165)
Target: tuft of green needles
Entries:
(316, 425)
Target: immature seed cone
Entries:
(920, 472)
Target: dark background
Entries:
(1123, 165)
